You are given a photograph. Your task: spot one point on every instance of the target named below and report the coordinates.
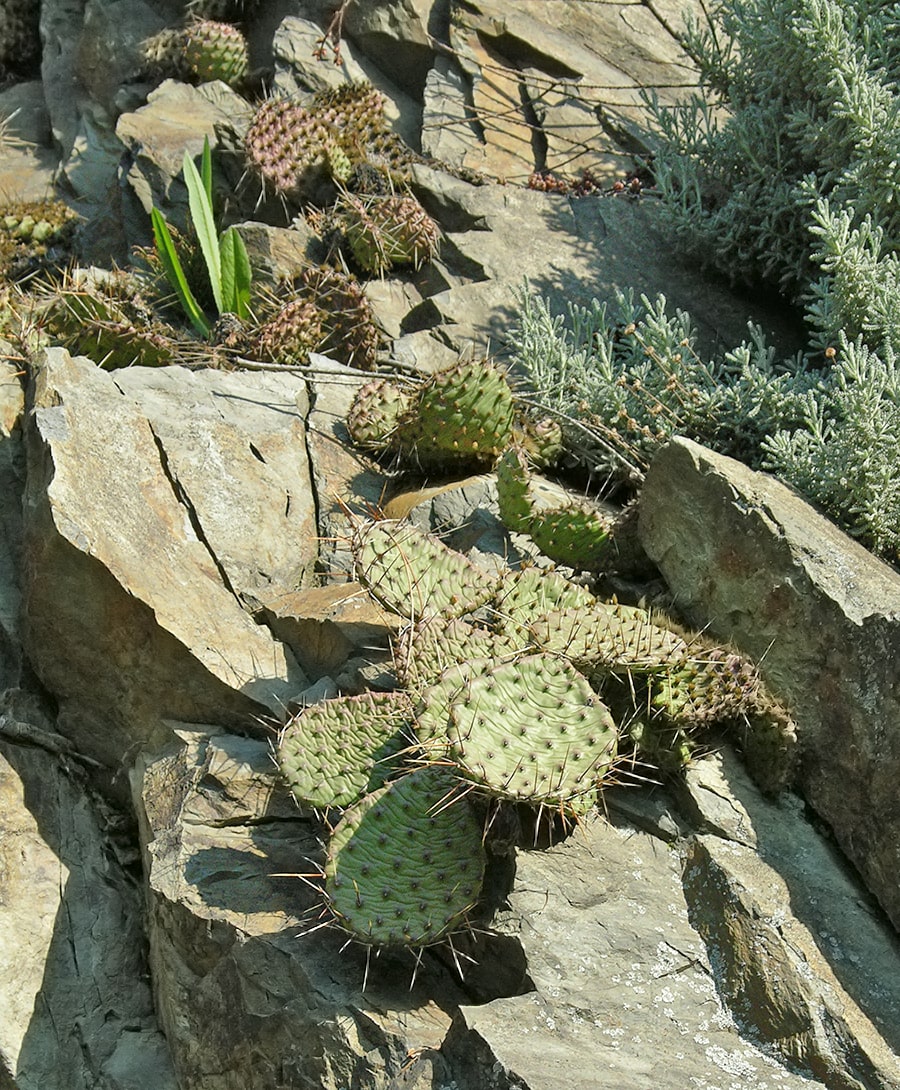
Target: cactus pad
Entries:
(533, 731)
(375, 413)
(333, 753)
(383, 232)
(404, 866)
(214, 51)
(463, 413)
(415, 575)
(530, 593)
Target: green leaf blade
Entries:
(204, 225)
(175, 273)
(236, 274)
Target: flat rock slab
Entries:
(554, 84)
(128, 616)
(74, 995)
(624, 992)
(744, 556)
(234, 445)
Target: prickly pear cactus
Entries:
(534, 731)
(289, 336)
(216, 51)
(288, 144)
(414, 575)
(375, 414)
(426, 648)
(574, 534)
(463, 414)
(333, 753)
(405, 865)
(384, 232)
(531, 593)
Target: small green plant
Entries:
(225, 255)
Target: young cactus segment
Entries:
(575, 534)
(464, 414)
(533, 731)
(405, 865)
(375, 414)
(415, 575)
(529, 594)
(334, 753)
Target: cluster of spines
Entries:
(202, 50)
(382, 232)
(293, 148)
(321, 310)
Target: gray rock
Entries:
(245, 997)
(568, 250)
(556, 85)
(745, 556)
(128, 618)
(821, 983)
(77, 1008)
(623, 992)
(233, 444)
(28, 163)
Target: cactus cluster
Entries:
(294, 148)
(200, 51)
(320, 310)
(382, 232)
(461, 416)
(522, 690)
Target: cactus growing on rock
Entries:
(403, 867)
(214, 50)
(334, 753)
(382, 232)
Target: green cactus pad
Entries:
(375, 413)
(383, 232)
(405, 865)
(530, 593)
(333, 753)
(574, 535)
(428, 647)
(533, 731)
(289, 336)
(463, 414)
(415, 575)
(512, 491)
(216, 51)
(542, 441)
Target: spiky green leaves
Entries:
(532, 730)
(333, 753)
(415, 575)
(405, 865)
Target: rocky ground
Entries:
(174, 574)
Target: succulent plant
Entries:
(574, 534)
(414, 575)
(335, 752)
(532, 730)
(321, 310)
(291, 147)
(35, 236)
(460, 417)
(376, 412)
(405, 865)
(214, 50)
(382, 232)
